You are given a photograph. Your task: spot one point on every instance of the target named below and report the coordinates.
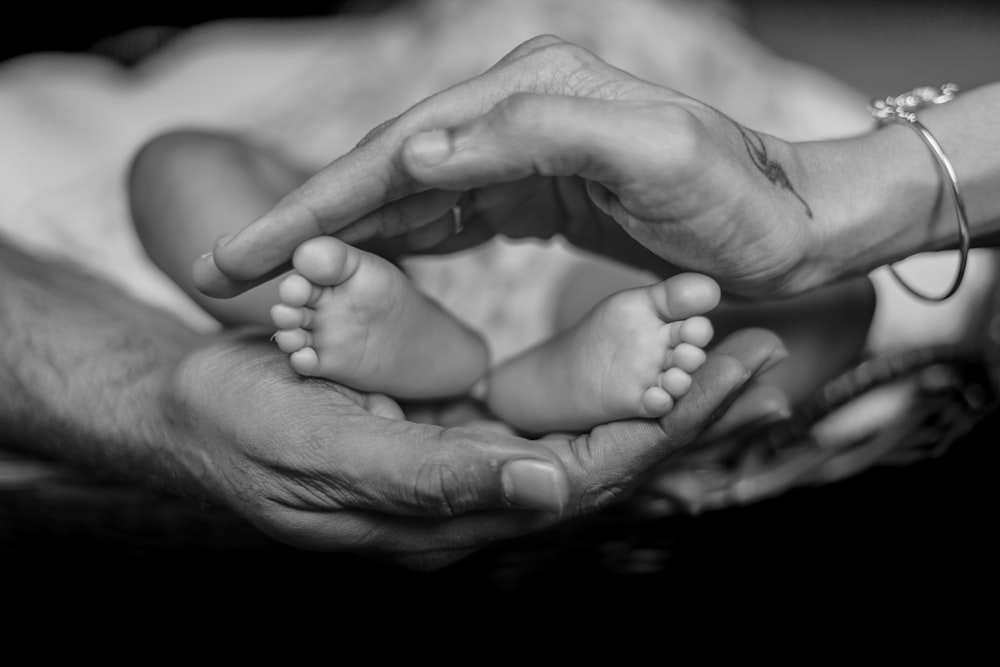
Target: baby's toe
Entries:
(323, 260)
(696, 331)
(296, 291)
(675, 382)
(292, 340)
(304, 361)
(687, 357)
(685, 295)
(291, 317)
(655, 402)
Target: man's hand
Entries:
(322, 467)
(91, 375)
(552, 140)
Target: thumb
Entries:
(429, 471)
(529, 134)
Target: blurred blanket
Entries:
(69, 125)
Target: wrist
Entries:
(218, 403)
(145, 439)
(879, 199)
(883, 196)
(186, 411)
(183, 462)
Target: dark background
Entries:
(76, 27)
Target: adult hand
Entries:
(322, 467)
(552, 140)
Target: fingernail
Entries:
(430, 148)
(534, 485)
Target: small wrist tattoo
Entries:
(774, 172)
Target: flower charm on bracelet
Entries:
(904, 105)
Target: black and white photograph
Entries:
(268, 279)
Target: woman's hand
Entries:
(552, 140)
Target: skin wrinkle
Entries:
(326, 490)
(324, 486)
(574, 456)
(598, 495)
(610, 91)
(578, 67)
(441, 478)
(431, 490)
(316, 479)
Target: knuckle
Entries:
(305, 209)
(600, 490)
(439, 489)
(552, 65)
(532, 45)
(559, 52)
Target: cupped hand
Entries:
(554, 141)
(321, 467)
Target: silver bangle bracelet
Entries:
(901, 109)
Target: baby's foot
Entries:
(631, 356)
(351, 316)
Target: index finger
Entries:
(343, 191)
(349, 188)
(372, 174)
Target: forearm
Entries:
(883, 197)
(83, 368)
